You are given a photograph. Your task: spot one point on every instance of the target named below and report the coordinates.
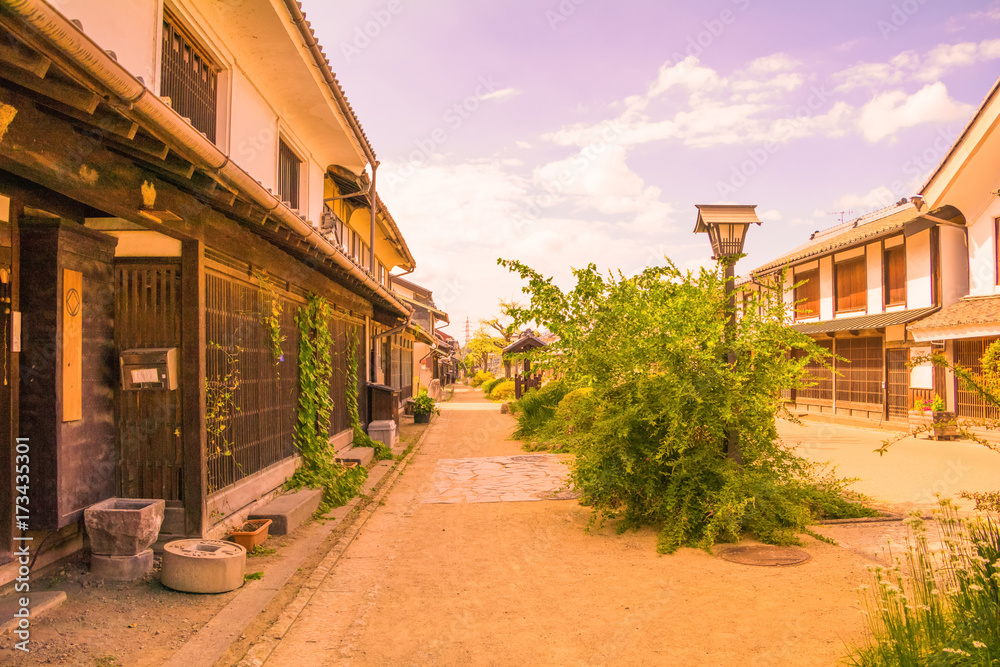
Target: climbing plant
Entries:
(320, 467)
(270, 316)
(361, 439)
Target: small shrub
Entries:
(536, 408)
(488, 385)
(502, 391)
(480, 377)
(937, 608)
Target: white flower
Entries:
(979, 644)
(956, 651)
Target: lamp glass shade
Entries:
(727, 237)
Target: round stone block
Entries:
(203, 566)
(121, 568)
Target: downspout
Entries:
(374, 196)
(52, 26)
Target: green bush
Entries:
(502, 391)
(488, 385)
(480, 377)
(651, 437)
(536, 408)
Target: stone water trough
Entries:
(121, 531)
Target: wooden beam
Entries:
(104, 118)
(194, 436)
(68, 93)
(16, 53)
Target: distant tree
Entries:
(481, 346)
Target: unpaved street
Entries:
(457, 578)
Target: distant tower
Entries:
(467, 331)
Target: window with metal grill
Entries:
(188, 78)
(807, 294)
(894, 283)
(289, 166)
(851, 284)
(817, 383)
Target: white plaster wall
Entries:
(982, 252)
(922, 376)
(826, 288)
(954, 265)
(918, 270)
(873, 270)
(254, 133)
(130, 28)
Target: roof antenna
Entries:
(841, 214)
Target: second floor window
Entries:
(851, 283)
(289, 166)
(189, 79)
(894, 284)
(807, 294)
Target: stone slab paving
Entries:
(500, 479)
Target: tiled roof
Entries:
(879, 223)
(970, 310)
(875, 321)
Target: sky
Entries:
(567, 132)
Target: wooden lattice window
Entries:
(807, 294)
(894, 280)
(289, 175)
(862, 370)
(189, 78)
(969, 355)
(819, 378)
(851, 284)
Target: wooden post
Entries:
(192, 376)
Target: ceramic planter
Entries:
(252, 533)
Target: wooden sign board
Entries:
(72, 346)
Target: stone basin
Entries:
(123, 526)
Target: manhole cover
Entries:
(762, 554)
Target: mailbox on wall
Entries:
(149, 368)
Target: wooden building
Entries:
(176, 180)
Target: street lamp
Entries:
(727, 226)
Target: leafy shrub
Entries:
(536, 408)
(480, 377)
(652, 435)
(488, 385)
(502, 391)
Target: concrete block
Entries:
(289, 511)
(123, 526)
(121, 568)
(363, 455)
(39, 605)
(203, 566)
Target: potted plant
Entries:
(251, 533)
(942, 420)
(422, 407)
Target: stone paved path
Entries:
(495, 479)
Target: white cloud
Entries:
(911, 66)
(501, 95)
(889, 112)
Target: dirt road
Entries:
(463, 565)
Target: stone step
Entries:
(40, 604)
(289, 511)
(363, 455)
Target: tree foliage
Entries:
(653, 349)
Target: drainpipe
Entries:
(371, 247)
(51, 26)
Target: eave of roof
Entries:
(876, 321)
(868, 231)
(970, 310)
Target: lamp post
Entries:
(727, 225)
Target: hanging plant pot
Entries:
(252, 533)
